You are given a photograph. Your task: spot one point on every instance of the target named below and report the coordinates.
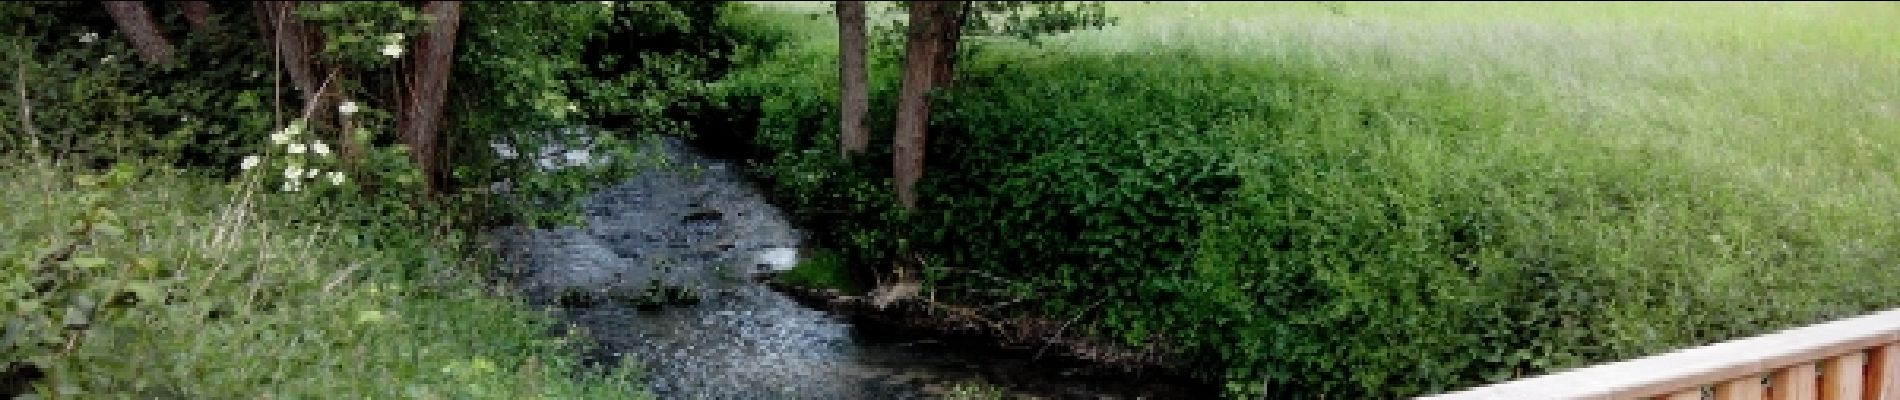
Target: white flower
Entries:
(296, 148)
(249, 162)
(283, 136)
(347, 108)
(311, 173)
(108, 58)
(336, 177)
(88, 37)
(293, 172)
(320, 148)
(292, 186)
(571, 108)
(392, 50)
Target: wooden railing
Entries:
(1851, 359)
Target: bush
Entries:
(95, 102)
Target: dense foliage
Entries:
(183, 230)
(1310, 230)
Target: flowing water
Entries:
(703, 231)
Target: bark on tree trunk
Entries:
(922, 46)
(295, 43)
(197, 14)
(428, 86)
(136, 22)
(854, 96)
(957, 13)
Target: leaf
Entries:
(77, 317)
(16, 330)
(89, 262)
(147, 292)
(108, 229)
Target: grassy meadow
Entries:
(1430, 195)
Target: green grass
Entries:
(1437, 195)
(1725, 169)
(260, 295)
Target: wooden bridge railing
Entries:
(1851, 359)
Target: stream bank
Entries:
(703, 231)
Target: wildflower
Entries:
(108, 58)
(292, 186)
(320, 148)
(249, 162)
(283, 136)
(311, 173)
(336, 177)
(88, 37)
(293, 172)
(347, 108)
(296, 148)
(392, 50)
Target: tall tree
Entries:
(136, 23)
(923, 45)
(295, 44)
(952, 25)
(854, 96)
(428, 86)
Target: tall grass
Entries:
(249, 295)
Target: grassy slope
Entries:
(1482, 189)
(261, 306)
(1657, 147)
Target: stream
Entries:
(698, 230)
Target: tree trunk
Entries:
(197, 14)
(428, 86)
(296, 45)
(854, 96)
(138, 26)
(922, 46)
(957, 13)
